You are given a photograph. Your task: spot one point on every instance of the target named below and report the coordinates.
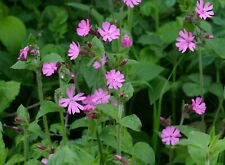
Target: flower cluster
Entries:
(186, 40)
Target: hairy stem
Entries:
(201, 73)
(102, 161)
(119, 127)
(41, 98)
(26, 145)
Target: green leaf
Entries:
(85, 8)
(191, 89)
(198, 146)
(216, 89)
(128, 90)
(53, 57)
(186, 130)
(132, 122)
(109, 110)
(15, 159)
(150, 39)
(83, 122)
(144, 152)
(23, 113)
(8, 92)
(48, 107)
(171, 27)
(12, 33)
(23, 65)
(97, 47)
(144, 71)
(35, 129)
(217, 45)
(157, 86)
(3, 151)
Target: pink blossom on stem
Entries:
(204, 10)
(109, 32)
(131, 3)
(198, 106)
(71, 101)
(100, 97)
(23, 53)
(185, 41)
(126, 41)
(89, 103)
(74, 50)
(83, 27)
(98, 64)
(114, 79)
(170, 135)
(118, 157)
(45, 160)
(49, 68)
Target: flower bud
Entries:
(126, 41)
(124, 62)
(40, 146)
(208, 36)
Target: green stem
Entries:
(119, 127)
(100, 147)
(174, 97)
(157, 3)
(201, 73)
(158, 110)
(41, 98)
(130, 19)
(218, 111)
(64, 135)
(26, 146)
(63, 128)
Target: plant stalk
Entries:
(41, 98)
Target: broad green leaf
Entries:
(23, 65)
(198, 146)
(150, 39)
(12, 33)
(35, 130)
(8, 92)
(128, 90)
(217, 45)
(132, 122)
(97, 47)
(23, 113)
(85, 8)
(109, 110)
(48, 107)
(144, 71)
(216, 89)
(83, 122)
(171, 27)
(3, 151)
(53, 57)
(144, 152)
(186, 130)
(15, 159)
(191, 89)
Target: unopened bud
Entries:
(209, 36)
(126, 41)
(124, 62)
(41, 147)
(17, 129)
(18, 119)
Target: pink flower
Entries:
(204, 10)
(109, 32)
(74, 50)
(71, 101)
(170, 135)
(99, 64)
(83, 27)
(45, 160)
(118, 157)
(23, 53)
(126, 41)
(131, 3)
(185, 40)
(198, 106)
(114, 79)
(49, 68)
(100, 97)
(89, 104)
